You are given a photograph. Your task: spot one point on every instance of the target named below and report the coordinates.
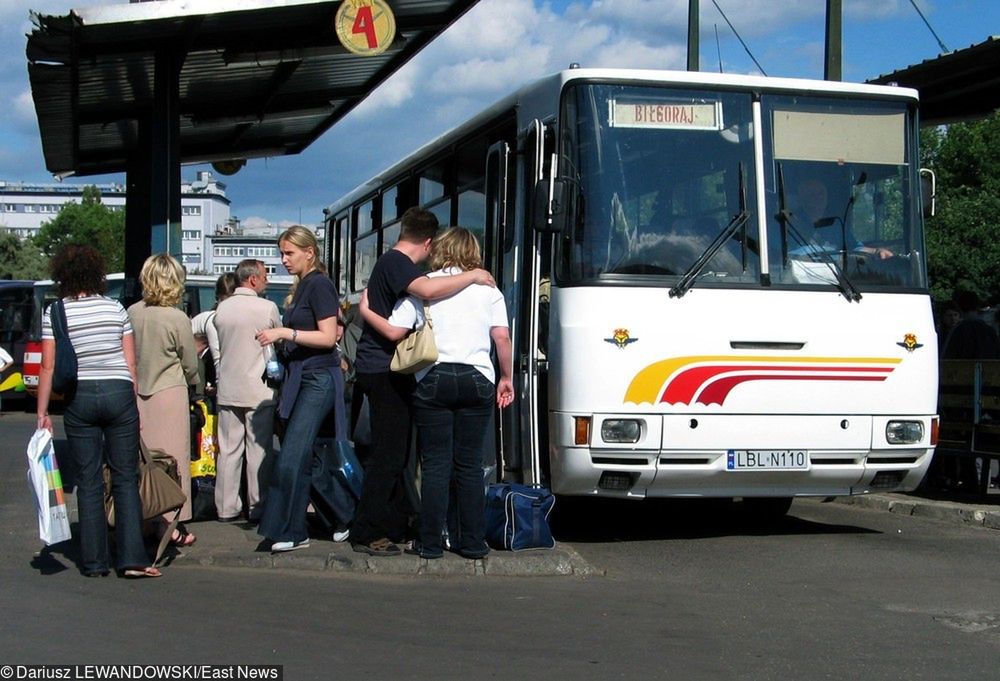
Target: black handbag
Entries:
(64, 374)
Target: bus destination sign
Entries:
(673, 115)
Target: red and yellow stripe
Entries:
(708, 379)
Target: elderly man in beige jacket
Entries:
(246, 402)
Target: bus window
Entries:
(390, 235)
(365, 255)
(442, 211)
(340, 242)
(390, 205)
(431, 184)
(364, 220)
(472, 213)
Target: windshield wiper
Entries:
(687, 281)
(740, 219)
(847, 289)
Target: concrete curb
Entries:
(563, 560)
(946, 511)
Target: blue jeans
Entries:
(102, 421)
(453, 406)
(287, 499)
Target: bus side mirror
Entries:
(928, 191)
(551, 215)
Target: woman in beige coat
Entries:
(166, 363)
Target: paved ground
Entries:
(679, 590)
(237, 545)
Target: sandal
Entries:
(182, 538)
(141, 573)
(379, 547)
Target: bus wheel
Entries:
(766, 509)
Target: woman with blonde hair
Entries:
(167, 363)
(313, 386)
(453, 402)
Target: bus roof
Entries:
(558, 80)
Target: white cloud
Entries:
(625, 53)
(491, 75)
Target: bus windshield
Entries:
(839, 177)
(657, 174)
(660, 173)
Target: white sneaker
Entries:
(341, 535)
(283, 546)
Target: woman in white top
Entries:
(453, 402)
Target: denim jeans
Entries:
(453, 406)
(102, 421)
(287, 498)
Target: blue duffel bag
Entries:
(517, 517)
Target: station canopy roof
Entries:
(956, 86)
(257, 77)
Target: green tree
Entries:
(88, 222)
(20, 259)
(962, 247)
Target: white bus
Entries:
(717, 284)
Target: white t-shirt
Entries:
(462, 323)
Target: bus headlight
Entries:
(621, 430)
(904, 432)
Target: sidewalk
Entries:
(230, 545)
(238, 545)
(986, 515)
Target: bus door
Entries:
(530, 362)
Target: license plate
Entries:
(767, 460)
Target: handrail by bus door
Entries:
(497, 234)
(530, 363)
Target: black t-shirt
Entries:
(392, 274)
(315, 299)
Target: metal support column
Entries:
(153, 194)
(834, 40)
(694, 42)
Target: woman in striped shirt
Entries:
(101, 418)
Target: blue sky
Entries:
(499, 45)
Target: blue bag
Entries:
(337, 480)
(517, 517)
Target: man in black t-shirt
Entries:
(383, 512)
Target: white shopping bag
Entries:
(46, 482)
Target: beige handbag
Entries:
(418, 350)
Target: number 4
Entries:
(364, 23)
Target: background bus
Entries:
(199, 295)
(682, 325)
(16, 313)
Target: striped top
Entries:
(96, 327)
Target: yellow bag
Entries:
(207, 444)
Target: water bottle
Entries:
(272, 367)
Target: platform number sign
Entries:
(365, 27)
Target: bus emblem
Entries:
(620, 338)
(910, 342)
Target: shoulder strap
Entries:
(427, 314)
(60, 327)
